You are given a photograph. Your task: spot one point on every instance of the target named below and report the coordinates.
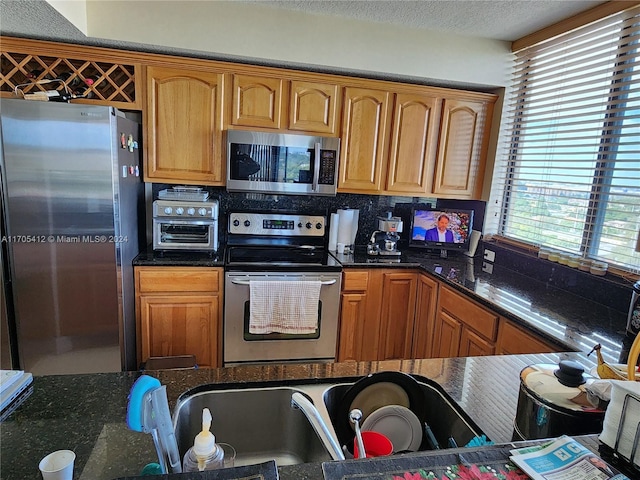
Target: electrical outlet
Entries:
(487, 267)
(489, 255)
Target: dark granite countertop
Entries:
(150, 258)
(86, 413)
(564, 318)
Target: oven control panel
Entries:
(277, 224)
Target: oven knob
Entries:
(308, 225)
(318, 226)
(179, 211)
(236, 222)
(168, 210)
(202, 212)
(191, 211)
(247, 223)
(299, 224)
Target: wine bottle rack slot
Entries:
(101, 82)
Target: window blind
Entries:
(568, 172)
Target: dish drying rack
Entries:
(191, 194)
(628, 461)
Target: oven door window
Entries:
(267, 163)
(279, 336)
(174, 233)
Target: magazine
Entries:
(563, 459)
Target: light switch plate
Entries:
(487, 267)
(489, 255)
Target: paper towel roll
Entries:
(345, 226)
(333, 231)
(354, 225)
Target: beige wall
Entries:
(262, 32)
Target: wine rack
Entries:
(93, 81)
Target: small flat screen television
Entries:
(441, 229)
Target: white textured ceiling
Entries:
(496, 19)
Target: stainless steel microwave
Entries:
(282, 163)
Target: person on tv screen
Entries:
(440, 233)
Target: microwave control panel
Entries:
(328, 163)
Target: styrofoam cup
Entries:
(58, 465)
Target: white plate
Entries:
(397, 423)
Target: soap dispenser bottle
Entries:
(205, 454)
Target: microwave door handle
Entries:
(316, 168)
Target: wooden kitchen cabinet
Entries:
(397, 314)
(183, 128)
(314, 107)
(425, 317)
(364, 134)
(464, 129)
(513, 339)
(414, 140)
(463, 327)
(256, 101)
(179, 312)
(377, 314)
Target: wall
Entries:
(284, 37)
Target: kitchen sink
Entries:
(449, 424)
(262, 422)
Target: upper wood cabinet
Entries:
(414, 140)
(363, 153)
(184, 127)
(462, 148)
(313, 107)
(257, 101)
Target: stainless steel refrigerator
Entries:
(71, 197)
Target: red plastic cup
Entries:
(375, 445)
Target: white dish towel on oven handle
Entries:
(280, 306)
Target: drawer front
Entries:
(474, 316)
(355, 281)
(177, 279)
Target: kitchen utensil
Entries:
(552, 401)
(355, 416)
(360, 390)
(148, 412)
(398, 424)
(375, 445)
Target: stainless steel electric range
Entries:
(278, 247)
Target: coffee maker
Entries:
(384, 241)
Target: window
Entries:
(569, 174)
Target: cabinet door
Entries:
(180, 325)
(352, 317)
(473, 345)
(313, 107)
(414, 138)
(257, 101)
(447, 338)
(462, 148)
(513, 339)
(183, 127)
(425, 321)
(398, 312)
(365, 117)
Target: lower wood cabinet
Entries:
(463, 327)
(377, 314)
(513, 339)
(425, 317)
(179, 312)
